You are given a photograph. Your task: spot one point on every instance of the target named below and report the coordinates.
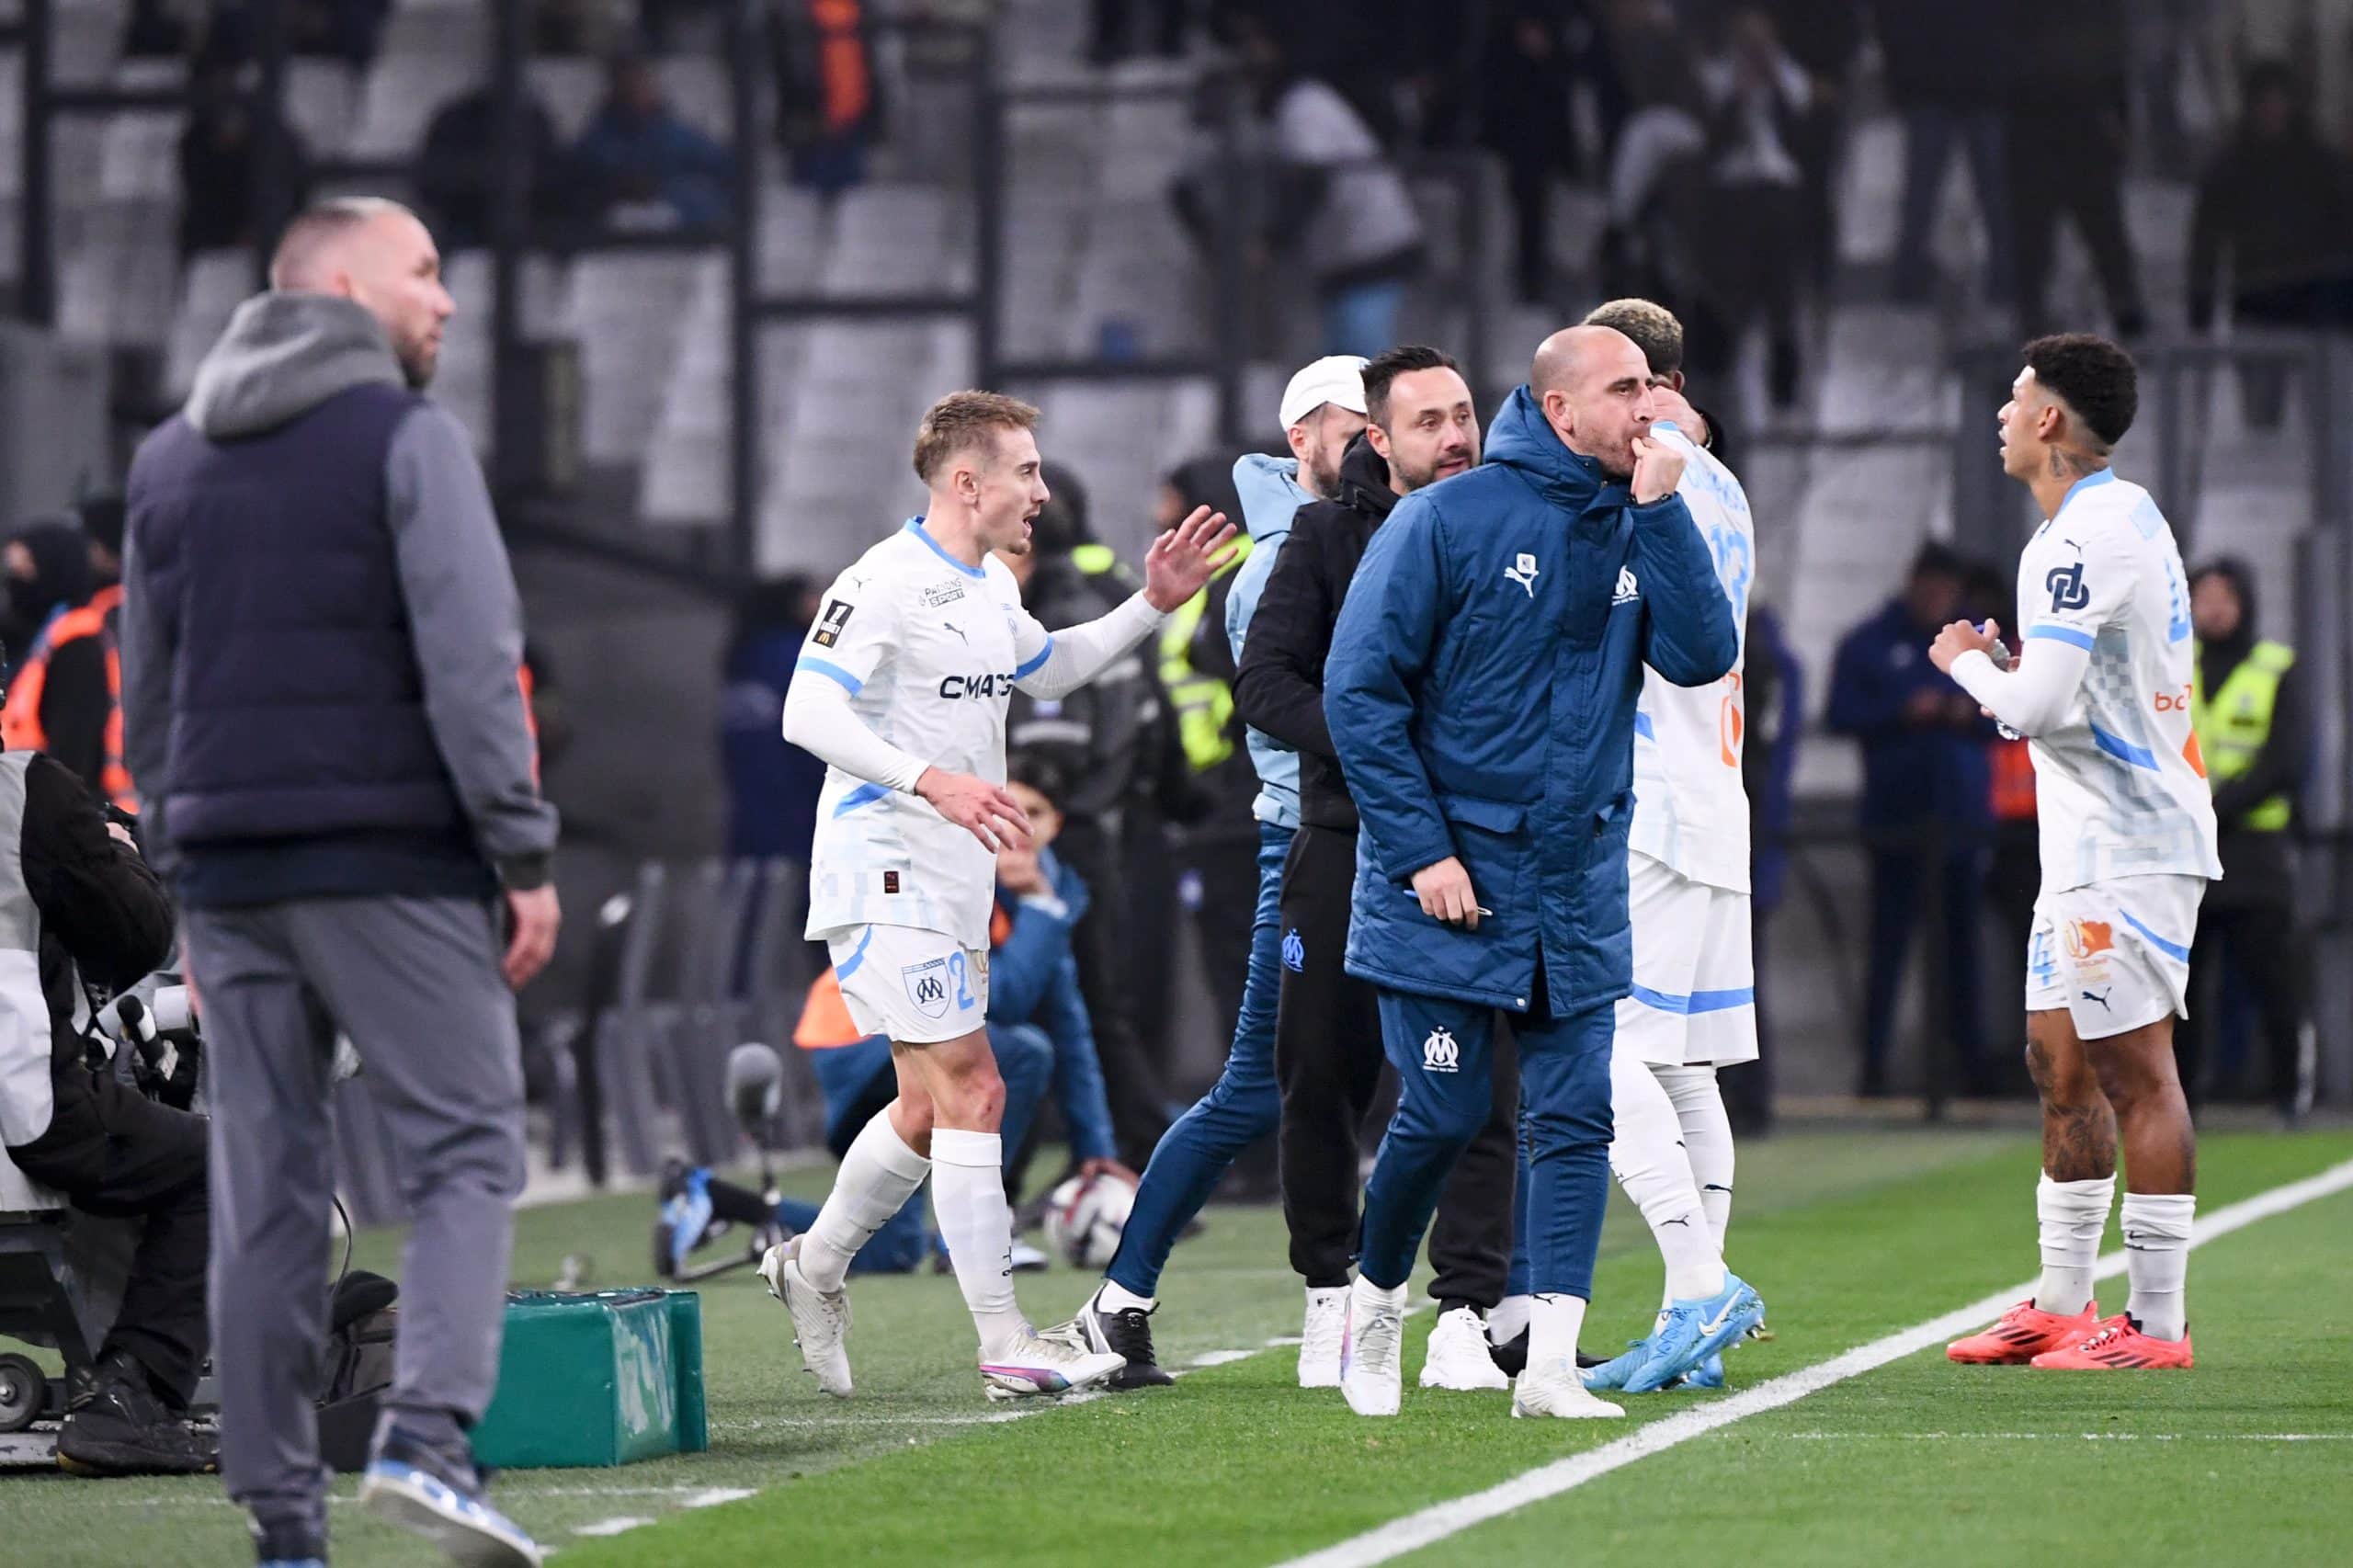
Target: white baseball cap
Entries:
(1335, 378)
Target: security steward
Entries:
(79, 908)
(2247, 703)
(65, 697)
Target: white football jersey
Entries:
(929, 649)
(2119, 785)
(1691, 811)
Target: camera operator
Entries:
(78, 906)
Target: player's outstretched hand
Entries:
(1658, 468)
(979, 807)
(1186, 557)
(1445, 891)
(1962, 637)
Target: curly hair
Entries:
(2097, 380)
(1654, 328)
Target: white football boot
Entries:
(1372, 1350)
(1319, 1337)
(1458, 1357)
(1554, 1389)
(820, 1318)
(1048, 1365)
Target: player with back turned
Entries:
(902, 689)
(2102, 690)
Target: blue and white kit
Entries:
(912, 662)
(1694, 987)
(2127, 816)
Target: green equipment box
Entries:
(605, 1378)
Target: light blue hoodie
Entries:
(1271, 495)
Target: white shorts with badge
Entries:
(1695, 972)
(918, 987)
(2116, 955)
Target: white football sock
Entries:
(1115, 1297)
(1699, 1104)
(878, 1175)
(2073, 1214)
(2156, 1260)
(1553, 1324)
(1646, 1155)
(1509, 1318)
(968, 1194)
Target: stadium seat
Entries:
(399, 96)
(624, 313)
(215, 284)
(569, 87)
(139, 155)
(453, 33)
(85, 38)
(321, 99)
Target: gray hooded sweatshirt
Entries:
(283, 355)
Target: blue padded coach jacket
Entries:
(1480, 691)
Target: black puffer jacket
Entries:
(103, 918)
(1279, 687)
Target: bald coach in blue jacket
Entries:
(1481, 690)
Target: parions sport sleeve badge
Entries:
(830, 623)
(927, 987)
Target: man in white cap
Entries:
(1321, 411)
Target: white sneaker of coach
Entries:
(1554, 1389)
(1319, 1337)
(1456, 1357)
(820, 1319)
(1372, 1350)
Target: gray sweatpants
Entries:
(415, 983)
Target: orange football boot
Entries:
(2025, 1332)
(2120, 1345)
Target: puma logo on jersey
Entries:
(1523, 572)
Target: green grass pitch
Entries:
(1850, 1236)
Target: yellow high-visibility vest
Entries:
(1204, 703)
(2235, 722)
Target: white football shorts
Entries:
(1695, 973)
(918, 987)
(2116, 955)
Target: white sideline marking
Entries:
(611, 1527)
(2071, 1436)
(711, 1496)
(1220, 1357)
(1436, 1523)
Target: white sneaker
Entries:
(820, 1318)
(1555, 1390)
(1047, 1365)
(1458, 1355)
(1319, 1339)
(1372, 1350)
